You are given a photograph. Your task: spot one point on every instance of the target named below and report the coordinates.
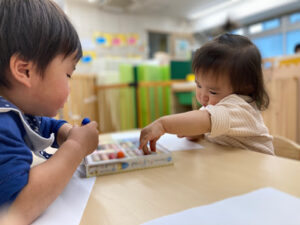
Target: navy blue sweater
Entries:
(20, 135)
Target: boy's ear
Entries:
(21, 69)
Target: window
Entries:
(292, 38)
(266, 25)
(238, 31)
(271, 24)
(270, 46)
(294, 18)
(255, 28)
(158, 42)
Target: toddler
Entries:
(231, 90)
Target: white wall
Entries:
(87, 19)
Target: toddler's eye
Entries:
(213, 93)
(199, 86)
(68, 75)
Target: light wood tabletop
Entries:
(198, 177)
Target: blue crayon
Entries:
(85, 121)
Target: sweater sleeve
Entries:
(49, 126)
(15, 158)
(235, 117)
(220, 120)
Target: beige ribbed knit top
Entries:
(236, 121)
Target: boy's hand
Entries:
(151, 133)
(86, 136)
(63, 133)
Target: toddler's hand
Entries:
(86, 136)
(151, 133)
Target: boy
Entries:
(39, 50)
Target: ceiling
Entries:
(202, 13)
(171, 8)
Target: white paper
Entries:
(126, 135)
(69, 206)
(265, 206)
(168, 141)
(173, 143)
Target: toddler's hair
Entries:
(36, 30)
(238, 58)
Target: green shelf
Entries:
(185, 98)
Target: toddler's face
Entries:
(210, 90)
(51, 92)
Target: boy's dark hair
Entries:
(237, 57)
(297, 48)
(36, 30)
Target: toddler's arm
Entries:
(184, 124)
(47, 180)
(193, 138)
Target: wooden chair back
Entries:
(286, 148)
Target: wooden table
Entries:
(198, 177)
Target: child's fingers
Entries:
(92, 124)
(153, 145)
(146, 150)
(143, 141)
(143, 144)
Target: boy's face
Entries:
(210, 90)
(51, 92)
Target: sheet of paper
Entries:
(125, 135)
(172, 143)
(168, 141)
(265, 206)
(69, 206)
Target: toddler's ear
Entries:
(20, 69)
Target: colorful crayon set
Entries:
(123, 155)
